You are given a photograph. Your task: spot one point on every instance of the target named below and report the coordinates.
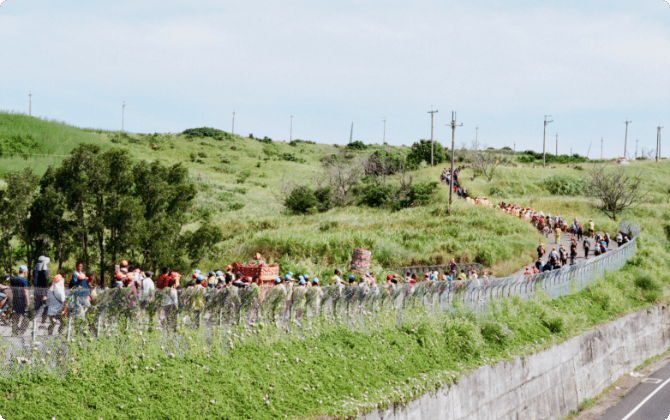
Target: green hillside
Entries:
(240, 179)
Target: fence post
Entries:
(69, 328)
(99, 325)
(34, 329)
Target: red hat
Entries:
(124, 263)
(388, 277)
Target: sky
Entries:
(502, 65)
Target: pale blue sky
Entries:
(501, 64)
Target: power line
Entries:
(544, 138)
(432, 114)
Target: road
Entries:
(650, 400)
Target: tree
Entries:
(617, 189)
(420, 151)
(487, 162)
(50, 226)
(342, 172)
(15, 203)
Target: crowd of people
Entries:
(555, 225)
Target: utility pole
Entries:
(476, 138)
(556, 144)
(123, 114)
(432, 114)
(351, 135)
(453, 135)
(625, 142)
(384, 138)
(544, 143)
(30, 104)
(291, 135)
(233, 122)
(515, 147)
(658, 142)
(636, 142)
(571, 151)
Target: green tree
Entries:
(420, 151)
(50, 225)
(15, 203)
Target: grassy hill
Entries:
(239, 180)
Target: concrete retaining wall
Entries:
(548, 384)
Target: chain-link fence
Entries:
(34, 333)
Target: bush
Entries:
(323, 197)
(243, 176)
(224, 169)
(202, 154)
(377, 195)
(651, 289)
(298, 141)
(203, 132)
(357, 145)
(562, 185)
(301, 200)
(290, 157)
(418, 194)
(266, 140)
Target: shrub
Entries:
(240, 190)
(266, 140)
(193, 156)
(203, 132)
(301, 200)
(243, 176)
(375, 195)
(562, 185)
(290, 157)
(462, 338)
(224, 169)
(323, 197)
(202, 154)
(298, 141)
(235, 206)
(357, 145)
(418, 194)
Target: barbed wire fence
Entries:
(222, 318)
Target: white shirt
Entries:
(147, 289)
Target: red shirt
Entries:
(162, 281)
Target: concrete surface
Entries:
(548, 384)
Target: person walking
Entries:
(540, 251)
(557, 234)
(56, 296)
(587, 245)
(20, 301)
(592, 227)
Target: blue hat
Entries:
(200, 278)
(351, 276)
(196, 271)
(288, 276)
(315, 280)
(211, 273)
(301, 278)
(302, 281)
(219, 273)
(290, 273)
(23, 268)
(277, 280)
(306, 276)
